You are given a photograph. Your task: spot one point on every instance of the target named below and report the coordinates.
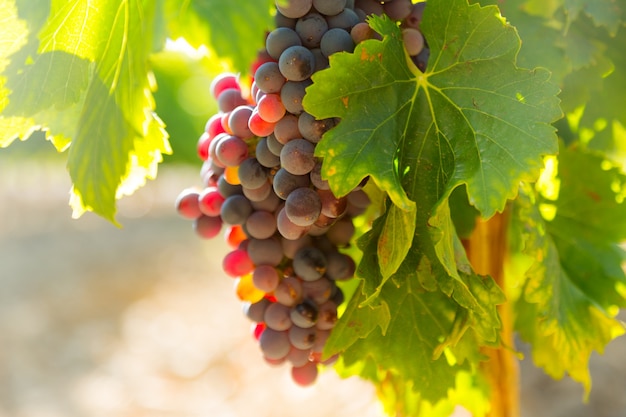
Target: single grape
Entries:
(237, 263)
(271, 108)
(231, 150)
(238, 122)
(361, 32)
(265, 278)
(304, 375)
(252, 174)
(296, 63)
(301, 338)
(303, 206)
(229, 99)
(235, 209)
(336, 40)
(344, 20)
(327, 316)
(311, 28)
(298, 156)
(304, 315)
(286, 129)
(274, 344)
(413, 41)
(289, 291)
(280, 39)
(340, 266)
(261, 225)
(207, 227)
(310, 263)
(277, 317)
(187, 204)
(268, 78)
(210, 201)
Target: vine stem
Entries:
(487, 252)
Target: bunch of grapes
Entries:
(263, 181)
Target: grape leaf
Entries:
(117, 119)
(607, 13)
(413, 135)
(214, 23)
(494, 116)
(37, 87)
(418, 320)
(574, 285)
(408, 332)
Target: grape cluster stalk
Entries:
(261, 179)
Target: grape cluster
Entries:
(263, 181)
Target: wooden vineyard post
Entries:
(487, 252)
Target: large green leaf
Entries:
(117, 118)
(472, 100)
(419, 137)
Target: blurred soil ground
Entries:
(98, 321)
